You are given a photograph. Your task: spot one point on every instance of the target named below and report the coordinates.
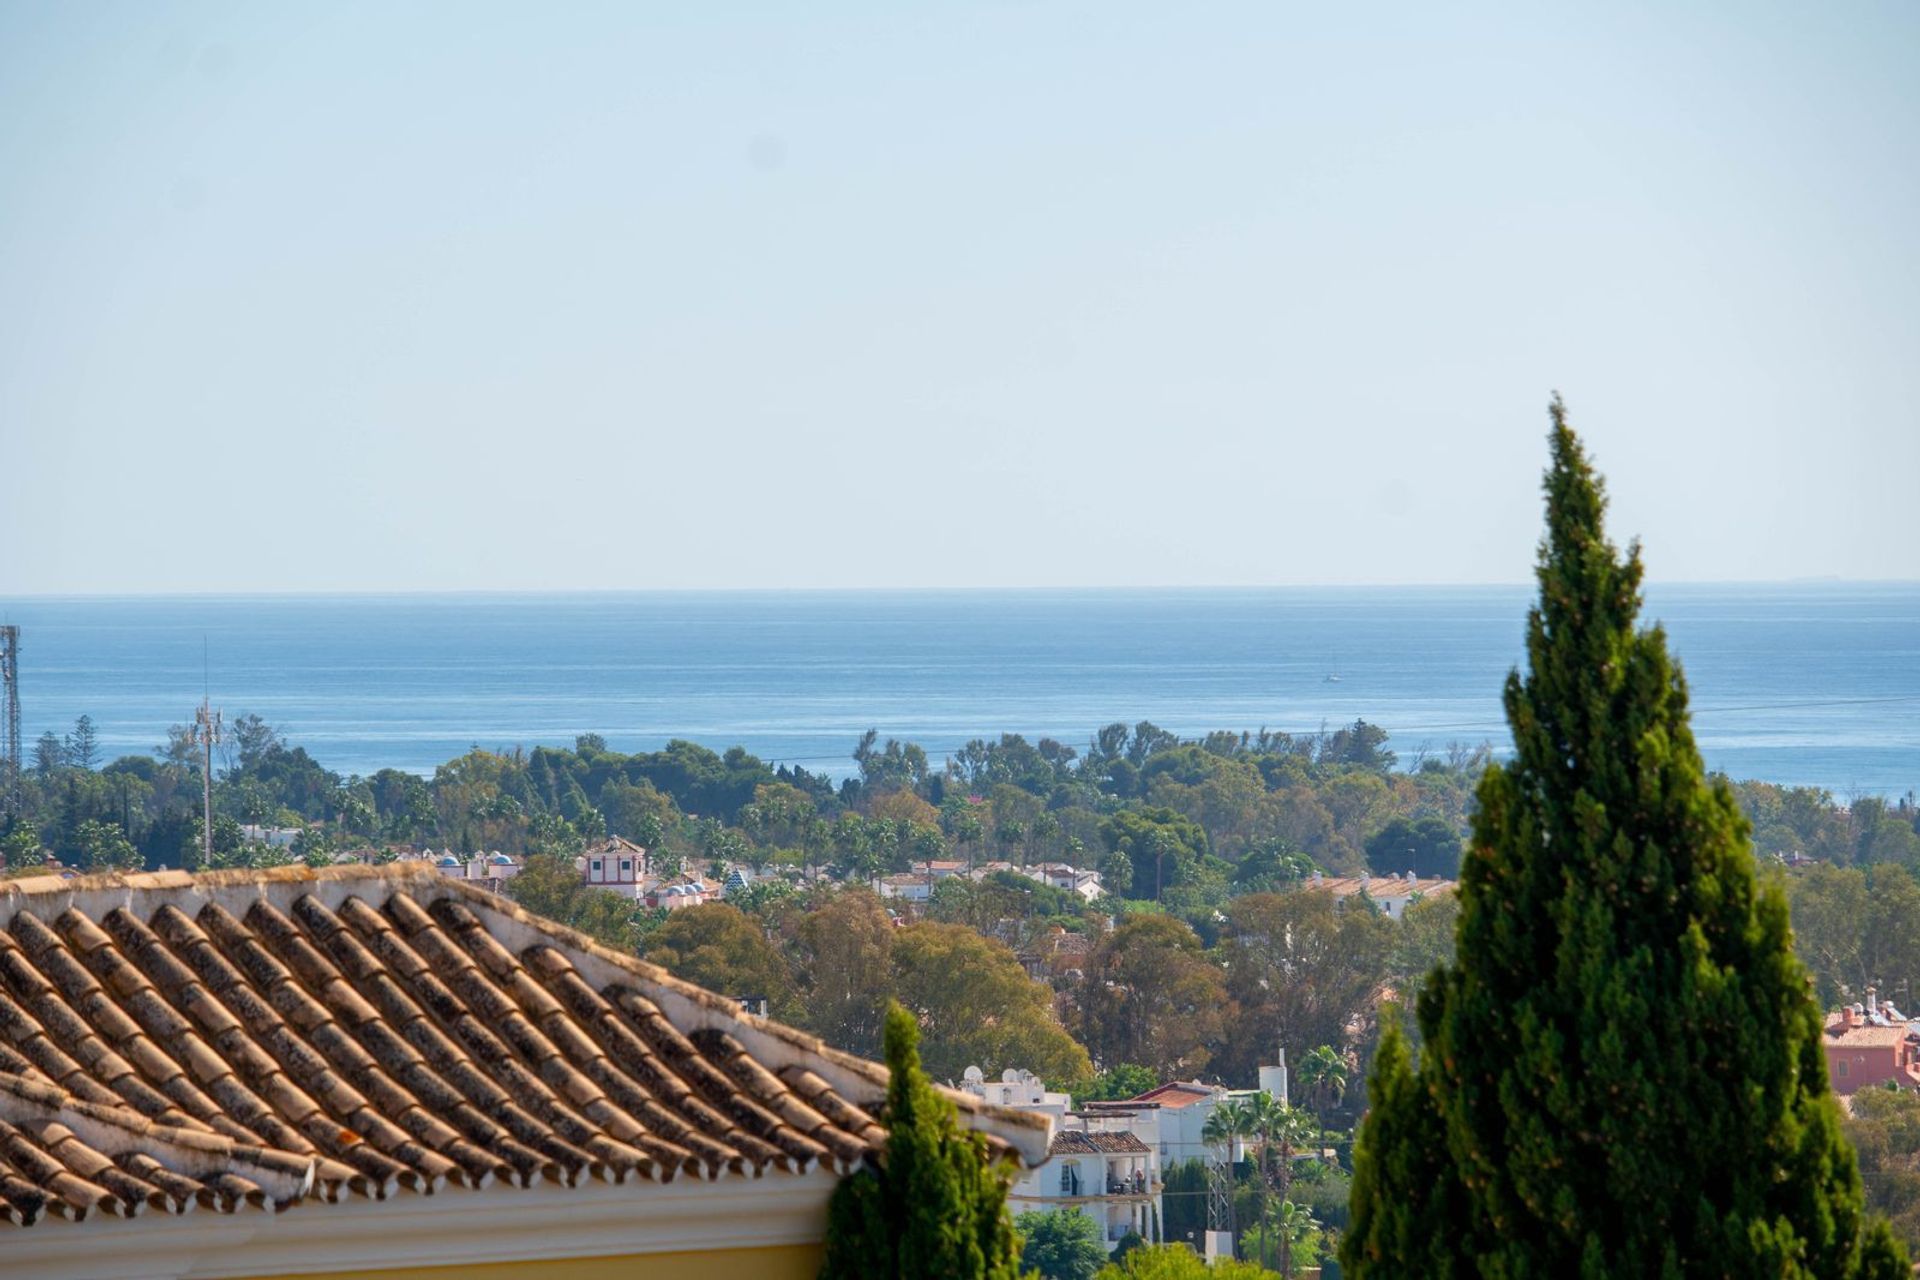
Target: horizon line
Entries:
(958, 589)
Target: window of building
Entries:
(626, 867)
(596, 866)
(1843, 1068)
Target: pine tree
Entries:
(937, 1203)
(1622, 1072)
(82, 745)
(1405, 1207)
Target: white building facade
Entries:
(488, 870)
(1103, 1163)
(617, 865)
(1077, 880)
(1392, 894)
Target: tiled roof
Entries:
(1173, 1096)
(1381, 886)
(1865, 1035)
(262, 1038)
(1078, 1142)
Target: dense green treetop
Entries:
(1063, 1244)
(1178, 1262)
(1621, 1071)
(722, 949)
(1428, 848)
(935, 1203)
(1885, 1131)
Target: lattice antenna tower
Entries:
(10, 696)
(1220, 1215)
(208, 732)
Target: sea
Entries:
(1806, 684)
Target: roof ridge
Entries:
(293, 873)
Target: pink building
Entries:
(619, 865)
(1871, 1044)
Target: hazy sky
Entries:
(336, 296)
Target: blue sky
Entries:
(345, 296)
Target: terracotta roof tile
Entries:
(1382, 886)
(233, 1041)
(1868, 1036)
(1174, 1095)
(1080, 1142)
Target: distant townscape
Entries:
(1124, 937)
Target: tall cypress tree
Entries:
(937, 1203)
(1622, 1072)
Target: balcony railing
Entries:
(1074, 1189)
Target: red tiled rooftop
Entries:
(1171, 1097)
(264, 1038)
(1865, 1035)
(1381, 886)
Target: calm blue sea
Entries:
(1815, 684)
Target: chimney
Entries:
(1873, 1002)
(1274, 1079)
(1846, 1015)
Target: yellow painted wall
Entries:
(785, 1262)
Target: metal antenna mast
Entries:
(1220, 1215)
(207, 734)
(10, 693)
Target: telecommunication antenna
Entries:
(10, 694)
(207, 734)
(1220, 1215)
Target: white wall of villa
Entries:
(1103, 1163)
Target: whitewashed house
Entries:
(493, 870)
(486, 870)
(1185, 1106)
(1392, 894)
(907, 886)
(1104, 1163)
(688, 891)
(1073, 879)
(617, 865)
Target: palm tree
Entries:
(1277, 1125)
(1228, 1121)
(1291, 1224)
(1324, 1074)
(1270, 1126)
